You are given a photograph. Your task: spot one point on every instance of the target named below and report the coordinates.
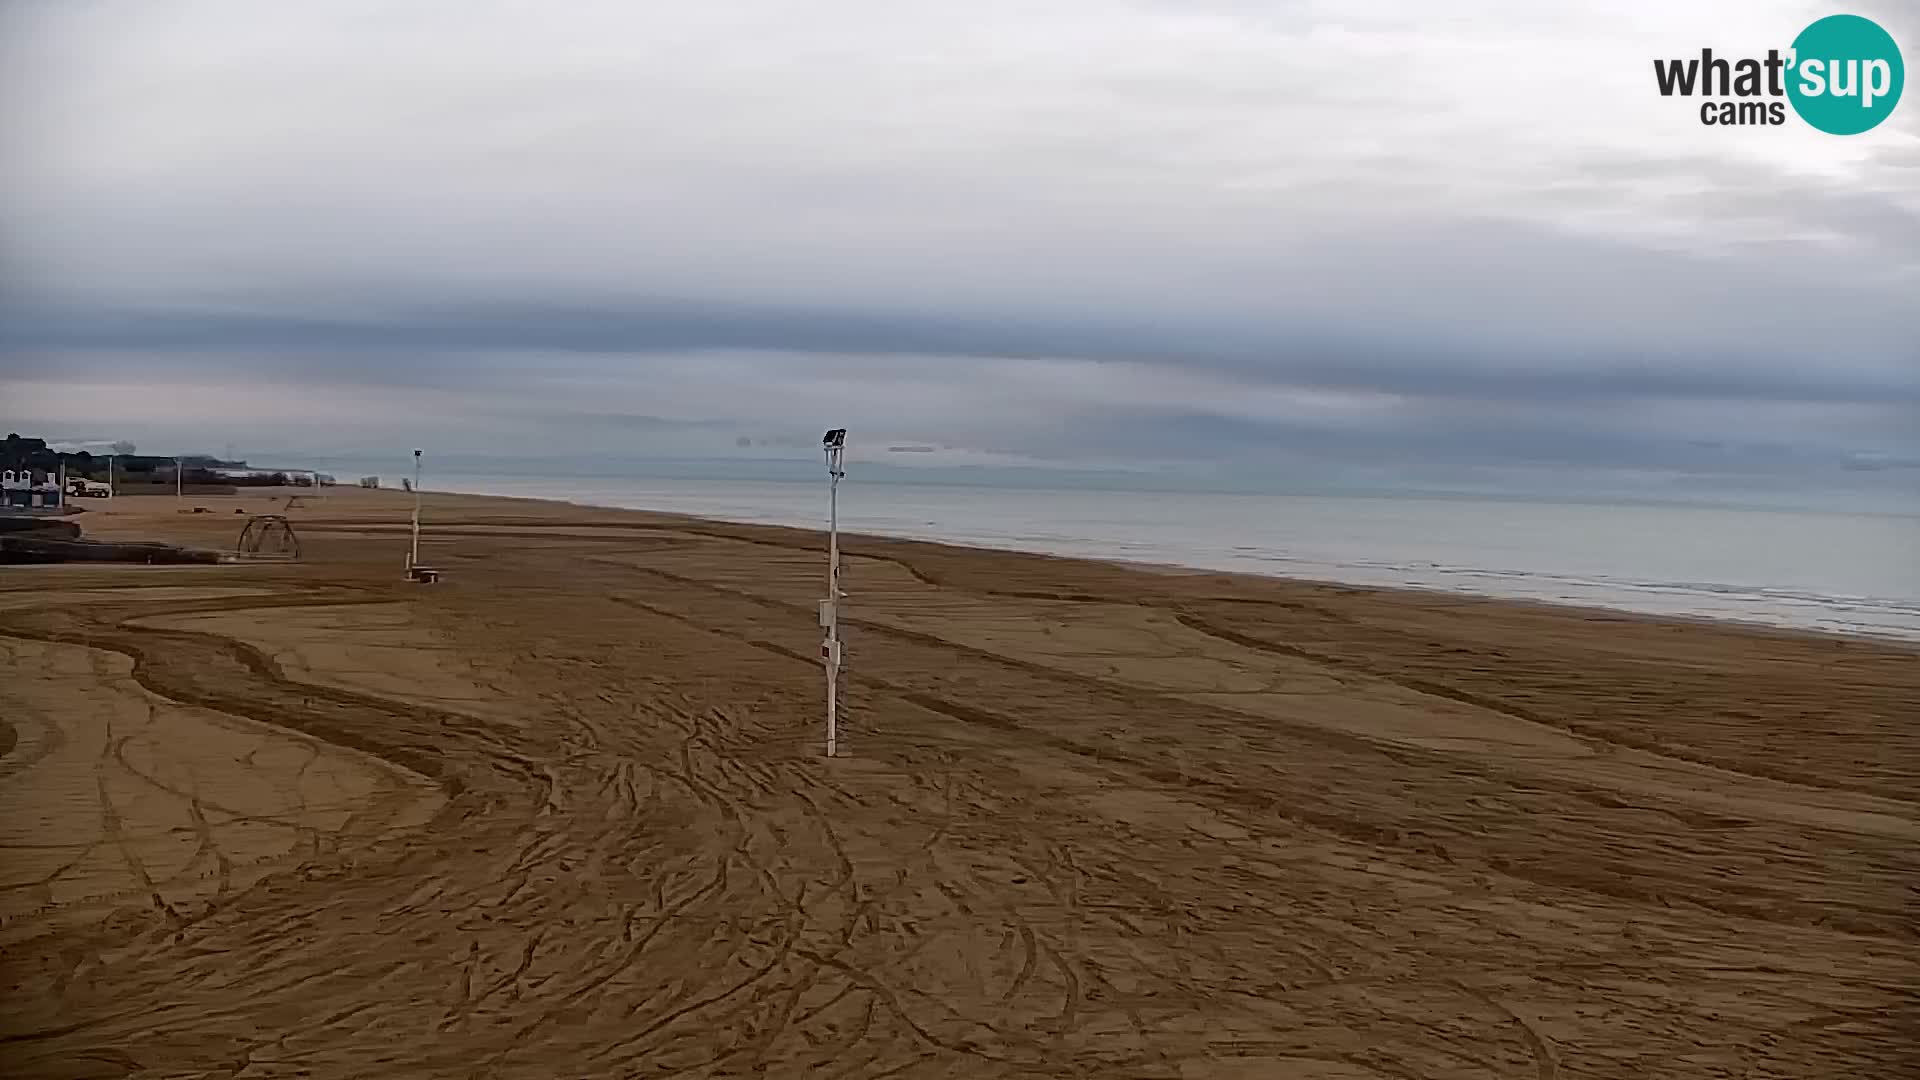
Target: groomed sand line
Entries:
(117, 794)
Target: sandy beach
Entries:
(565, 814)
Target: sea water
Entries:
(1854, 573)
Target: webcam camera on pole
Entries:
(835, 444)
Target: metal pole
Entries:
(833, 598)
(414, 558)
(834, 444)
(832, 733)
(178, 488)
(113, 484)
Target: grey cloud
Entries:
(1092, 230)
(1860, 463)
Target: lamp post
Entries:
(413, 558)
(834, 443)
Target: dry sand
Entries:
(564, 815)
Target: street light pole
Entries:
(413, 559)
(835, 444)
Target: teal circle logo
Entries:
(1847, 75)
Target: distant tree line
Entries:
(18, 452)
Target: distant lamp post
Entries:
(413, 557)
(122, 447)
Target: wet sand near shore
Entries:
(565, 814)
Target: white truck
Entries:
(90, 489)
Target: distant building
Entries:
(28, 488)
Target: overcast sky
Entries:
(1080, 233)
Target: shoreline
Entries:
(1089, 817)
(1591, 610)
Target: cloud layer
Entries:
(1101, 232)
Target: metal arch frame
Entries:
(258, 526)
